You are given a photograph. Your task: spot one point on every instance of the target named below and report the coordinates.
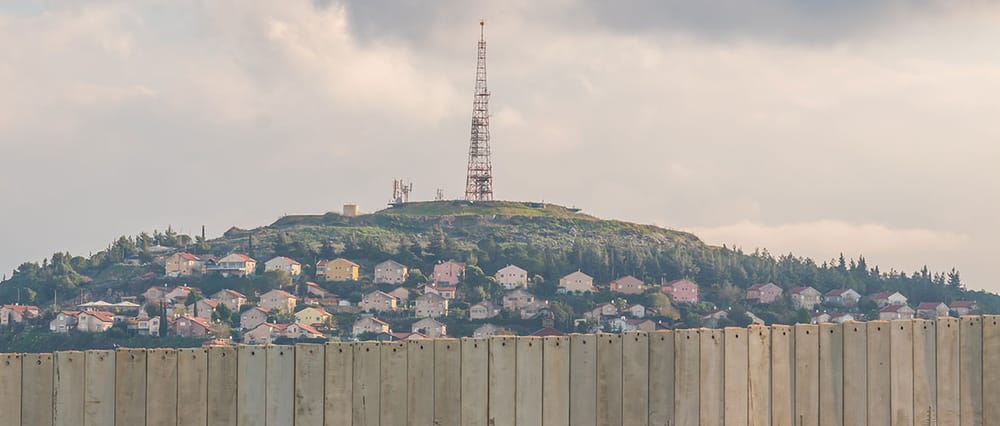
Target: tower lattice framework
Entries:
(479, 180)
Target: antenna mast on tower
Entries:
(479, 181)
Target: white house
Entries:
(282, 263)
(511, 277)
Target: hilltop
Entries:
(548, 241)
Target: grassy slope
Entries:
(462, 222)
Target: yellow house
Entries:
(311, 316)
(338, 270)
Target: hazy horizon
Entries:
(861, 128)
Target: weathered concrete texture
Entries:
(879, 404)
(130, 387)
(392, 386)
(222, 409)
(901, 372)
(251, 389)
(687, 375)
(971, 370)
(10, 389)
(161, 387)
(36, 390)
(309, 384)
(924, 372)
(556, 381)
(68, 387)
(528, 394)
(583, 380)
(339, 385)
(609, 379)
(635, 378)
(991, 370)
(855, 376)
(736, 376)
(447, 382)
(807, 375)
(192, 386)
(661, 378)
(502, 380)
(280, 378)
(475, 381)
(712, 384)
(367, 362)
(782, 376)
(420, 383)
(759, 375)
(831, 374)
(946, 360)
(99, 389)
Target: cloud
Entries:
(119, 117)
(899, 248)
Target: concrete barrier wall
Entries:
(944, 372)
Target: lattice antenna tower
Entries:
(479, 180)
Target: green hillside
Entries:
(547, 240)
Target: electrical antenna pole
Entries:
(479, 180)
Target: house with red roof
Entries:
(236, 264)
(896, 312)
(233, 299)
(843, 297)
(805, 297)
(369, 325)
(280, 300)
(548, 332)
(188, 326)
(763, 293)
(627, 285)
(931, 310)
(182, 264)
(203, 308)
(281, 263)
(681, 291)
(17, 313)
(95, 321)
(964, 307)
(251, 318)
(450, 273)
(64, 322)
(885, 298)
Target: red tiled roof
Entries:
(22, 309)
(929, 305)
(893, 308)
(188, 256)
(235, 293)
(962, 304)
(837, 292)
(681, 281)
(288, 259)
(282, 292)
(210, 302)
(102, 316)
(307, 327)
(548, 331)
(798, 290)
(200, 321)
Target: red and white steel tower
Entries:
(479, 181)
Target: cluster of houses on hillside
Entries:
(892, 305)
(307, 310)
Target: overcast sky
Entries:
(863, 127)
